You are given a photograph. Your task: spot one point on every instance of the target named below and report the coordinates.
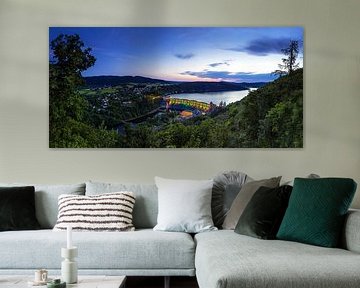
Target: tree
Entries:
(289, 63)
(69, 60)
(67, 108)
(71, 56)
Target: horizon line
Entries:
(214, 81)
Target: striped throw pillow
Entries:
(105, 212)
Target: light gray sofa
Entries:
(220, 259)
(226, 259)
(143, 252)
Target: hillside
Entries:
(168, 87)
(200, 87)
(104, 81)
(270, 117)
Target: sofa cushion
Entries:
(243, 198)
(350, 239)
(46, 200)
(142, 249)
(226, 187)
(225, 259)
(105, 212)
(263, 215)
(17, 208)
(184, 205)
(146, 205)
(317, 209)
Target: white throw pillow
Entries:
(105, 212)
(184, 205)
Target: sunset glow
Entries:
(235, 54)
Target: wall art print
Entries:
(176, 87)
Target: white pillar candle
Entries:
(69, 237)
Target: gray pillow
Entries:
(146, 204)
(226, 187)
(243, 198)
(46, 200)
(310, 176)
(184, 205)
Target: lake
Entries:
(215, 97)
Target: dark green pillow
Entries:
(264, 213)
(17, 208)
(316, 211)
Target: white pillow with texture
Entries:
(104, 212)
(184, 205)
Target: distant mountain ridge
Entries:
(103, 81)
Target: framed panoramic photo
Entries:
(175, 87)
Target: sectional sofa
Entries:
(219, 259)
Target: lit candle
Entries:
(69, 239)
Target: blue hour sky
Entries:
(237, 54)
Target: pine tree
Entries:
(289, 64)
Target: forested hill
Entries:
(201, 87)
(271, 116)
(169, 87)
(102, 81)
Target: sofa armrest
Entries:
(351, 234)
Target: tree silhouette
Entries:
(289, 63)
(67, 108)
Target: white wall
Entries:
(332, 85)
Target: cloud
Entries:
(264, 46)
(226, 62)
(184, 56)
(232, 76)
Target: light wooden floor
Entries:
(158, 282)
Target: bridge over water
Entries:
(143, 117)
